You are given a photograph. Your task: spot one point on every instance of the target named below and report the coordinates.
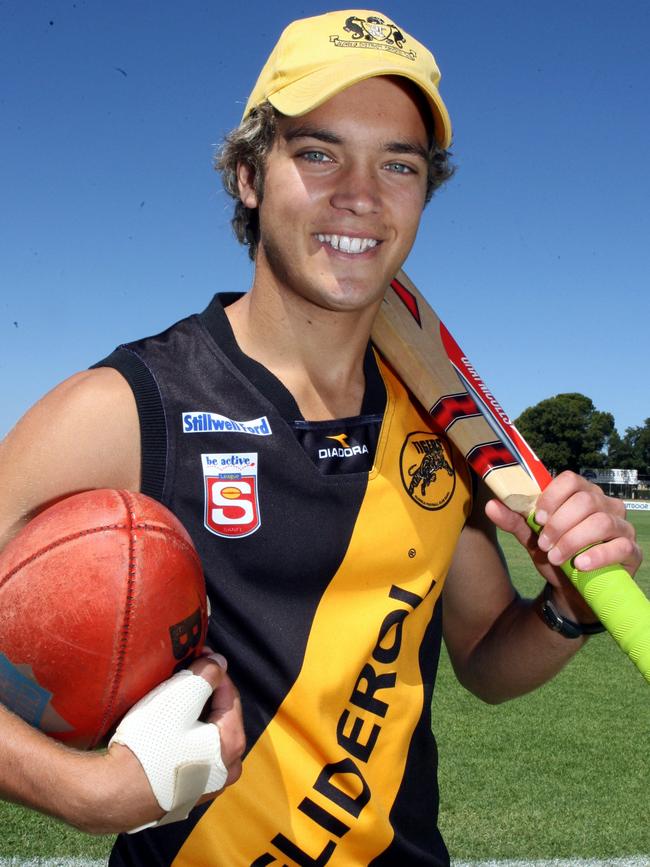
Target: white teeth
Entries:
(345, 244)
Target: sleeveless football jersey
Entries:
(325, 547)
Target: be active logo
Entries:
(232, 508)
(200, 421)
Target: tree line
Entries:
(568, 433)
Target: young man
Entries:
(290, 451)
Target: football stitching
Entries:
(123, 641)
(141, 525)
(64, 540)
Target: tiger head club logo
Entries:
(232, 508)
(427, 470)
(372, 32)
(373, 28)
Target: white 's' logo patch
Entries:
(231, 498)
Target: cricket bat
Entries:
(421, 350)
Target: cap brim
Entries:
(308, 93)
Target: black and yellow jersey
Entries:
(325, 547)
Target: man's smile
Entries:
(347, 244)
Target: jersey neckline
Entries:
(218, 326)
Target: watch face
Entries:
(563, 625)
(550, 618)
(559, 624)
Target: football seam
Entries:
(141, 525)
(64, 540)
(123, 641)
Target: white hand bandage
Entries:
(180, 755)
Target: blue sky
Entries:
(113, 223)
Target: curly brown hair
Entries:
(251, 142)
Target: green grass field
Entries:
(562, 772)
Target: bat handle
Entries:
(620, 605)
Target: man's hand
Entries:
(225, 711)
(574, 514)
(152, 754)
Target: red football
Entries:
(102, 597)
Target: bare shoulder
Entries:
(82, 434)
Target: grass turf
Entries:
(561, 772)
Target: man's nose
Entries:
(358, 190)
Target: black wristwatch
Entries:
(568, 628)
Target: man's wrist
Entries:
(129, 799)
(108, 792)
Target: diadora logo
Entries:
(212, 422)
(343, 450)
(373, 32)
(427, 470)
(231, 502)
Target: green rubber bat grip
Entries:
(620, 605)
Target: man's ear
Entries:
(246, 184)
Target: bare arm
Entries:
(103, 792)
(499, 646)
(84, 434)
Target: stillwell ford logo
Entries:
(199, 421)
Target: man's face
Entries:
(344, 188)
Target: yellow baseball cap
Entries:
(316, 58)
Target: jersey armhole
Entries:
(151, 414)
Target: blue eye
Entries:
(315, 157)
(400, 168)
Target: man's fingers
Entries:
(509, 521)
(588, 509)
(558, 492)
(562, 545)
(225, 698)
(567, 486)
(226, 712)
(211, 668)
(574, 515)
(621, 550)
